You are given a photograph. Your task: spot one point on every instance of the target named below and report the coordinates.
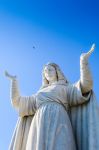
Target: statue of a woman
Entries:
(60, 116)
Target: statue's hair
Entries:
(59, 73)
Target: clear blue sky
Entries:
(60, 30)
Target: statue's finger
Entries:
(6, 73)
(91, 50)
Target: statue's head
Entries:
(52, 72)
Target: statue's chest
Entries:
(55, 92)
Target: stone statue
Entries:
(61, 115)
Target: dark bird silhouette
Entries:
(33, 47)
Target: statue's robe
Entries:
(57, 117)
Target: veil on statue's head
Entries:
(59, 73)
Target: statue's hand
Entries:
(11, 77)
(85, 56)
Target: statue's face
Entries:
(50, 73)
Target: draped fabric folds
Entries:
(85, 122)
(83, 118)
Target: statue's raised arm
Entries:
(15, 94)
(24, 104)
(85, 74)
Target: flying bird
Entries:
(33, 47)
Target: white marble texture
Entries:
(60, 116)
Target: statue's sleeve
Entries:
(80, 91)
(24, 104)
(14, 93)
(75, 95)
(85, 75)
